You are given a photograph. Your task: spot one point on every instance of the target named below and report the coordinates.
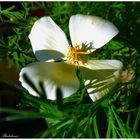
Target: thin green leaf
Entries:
(137, 121)
(108, 134)
(95, 127)
(18, 114)
(121, 125)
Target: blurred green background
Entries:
(122, 110)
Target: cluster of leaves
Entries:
(79, 117)
(14, 43)
(117, 114)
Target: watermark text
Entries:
(5, 135)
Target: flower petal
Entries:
(48, 40)
(104, 64)
(54, 76)
(91, 30)
(101, 76)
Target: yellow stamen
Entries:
(75, 55)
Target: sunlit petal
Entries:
(104, 64)
(54, 76)
(91, 30)
(48, 40)
(100, 76)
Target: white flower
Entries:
(50, 45)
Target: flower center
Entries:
(75, 55)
